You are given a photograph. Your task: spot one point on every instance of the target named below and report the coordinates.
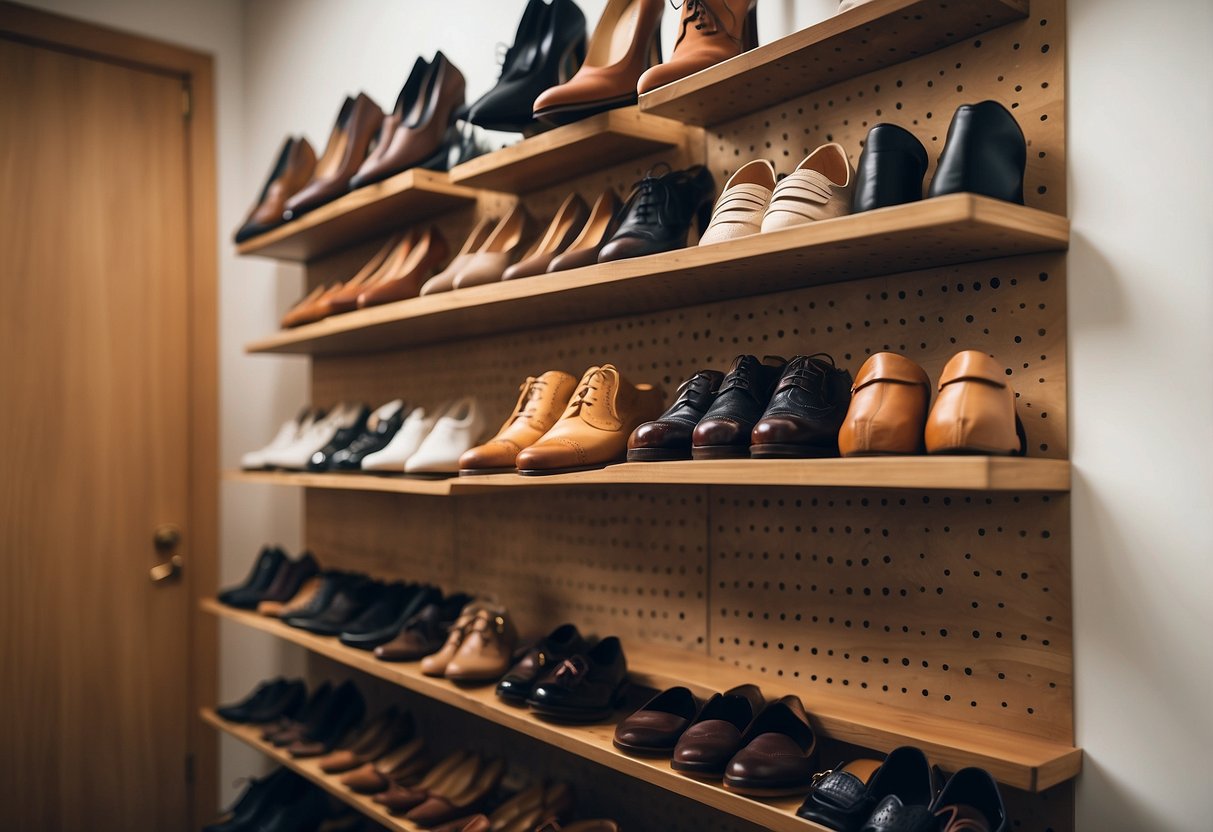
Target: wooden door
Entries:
(94, 373)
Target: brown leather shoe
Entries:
(486, 651)
(403, 281)
(626, 42)
(974, 412)
(444, 281)
(888, 410)
(356, 126)
(711, 31)
(275, 609)
(705, 748)
(820, 188)
(654, 729)
(405, 100)
(400, 798)
(422, 129)
(435, 663)
(311, 308)
(388, 258)
(594, 429)
(507, 242)
(453, 801)
(540, 402)
(398, 764)
(777, 753)
(379, 737)
(295, 165)
(598, 229)
(568, 221)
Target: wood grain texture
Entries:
(567, 152)
(1017, 759)
(872, 35)
(960, 228)
(407, 197)
(94, 171)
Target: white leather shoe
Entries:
(296, 455)
(458, 429)
(291, 430)
(404, 444)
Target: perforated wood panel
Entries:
(951, 604)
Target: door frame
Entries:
(201, 528)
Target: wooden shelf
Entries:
(870, 36)
(948, 473)
(308, 769)
(958, 228)
(391, 204)
(1018, 760)
(571, 151)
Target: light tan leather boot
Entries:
(711, 31)
(888, 409)
(975, 410)
(540, 402)
(594, 429)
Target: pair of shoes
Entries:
(559, 426)
(291, 431)
(768, 408)
(271, 700)
(974, 412)
(985, 153)
(478, 647)
(753, 201)
(624, 55)
(274, 578)
(296, 162)
(387, 614)
(324, 434)
(564, 678)
(548, 49)
(425, 631)
(899, 793)
(377, 738)
(456, 787)
(521, 812)
(419, 125)
(755, 748)
(282, 801)
(330, 714)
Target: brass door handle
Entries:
(165, 539)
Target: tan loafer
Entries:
(975, 410)
(888, 409)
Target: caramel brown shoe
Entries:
(888, 409)
(975, 410)
(540, 402)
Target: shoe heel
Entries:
(749, 29)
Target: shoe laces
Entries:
(530, 393)
(807, 374)
(704, 19)
(698, 385)
(653, 188)
(584, 397)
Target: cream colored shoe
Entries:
(742, 204)
(819, 189)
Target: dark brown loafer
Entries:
(706, 747)
(656, 727)
(777, 751)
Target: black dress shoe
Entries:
(288, 729)
(303, 813)
(548, 49)
(970, 798)
(381, 426)
(539, 658)
(724, 430)
(321, 460)
(341, 711)
(585, 687)
(806, 410)
(890, 170)
(985, 153)
(248, 594)
(290, 578)
(258, 801)
(288, 704)
(349, 601)
(670, 436)
(260, 695)
(895, 798)
(382, 620)
(658, 214)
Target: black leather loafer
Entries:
(890, 170)
(985, 153)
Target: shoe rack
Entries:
(906, 600)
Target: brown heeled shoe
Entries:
(404, 281)
(626, 42)
(444, 281)
(505, 244)
(458, 796)
(356, 126)
(308, 310)
(390, 256)
(598, 229)
(294, 168)
(372, 777)
(399, 798)
(711, 31)
(377, 739)
(567, 222)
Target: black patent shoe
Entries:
(353, 428)
(537, 660)
(247, 594)
(381, 426)
(670, 436)
(805, 412)
(890, 170)
(548, 50)
(383, 619)
(985, 153)
(658, 214)
(585, 687)
(724, 431)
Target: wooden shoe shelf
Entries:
(922, 600)
(948, 473)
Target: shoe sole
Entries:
(720, 452)
(657, 455)
(783, 451)
(569, 113)
(765, 791)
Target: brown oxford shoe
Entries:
(888, 409)
(974, 412)
(594, 429)
(540, 402)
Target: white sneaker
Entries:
(459, 428)
(404, 444)
(288, 433)
(296, 455)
